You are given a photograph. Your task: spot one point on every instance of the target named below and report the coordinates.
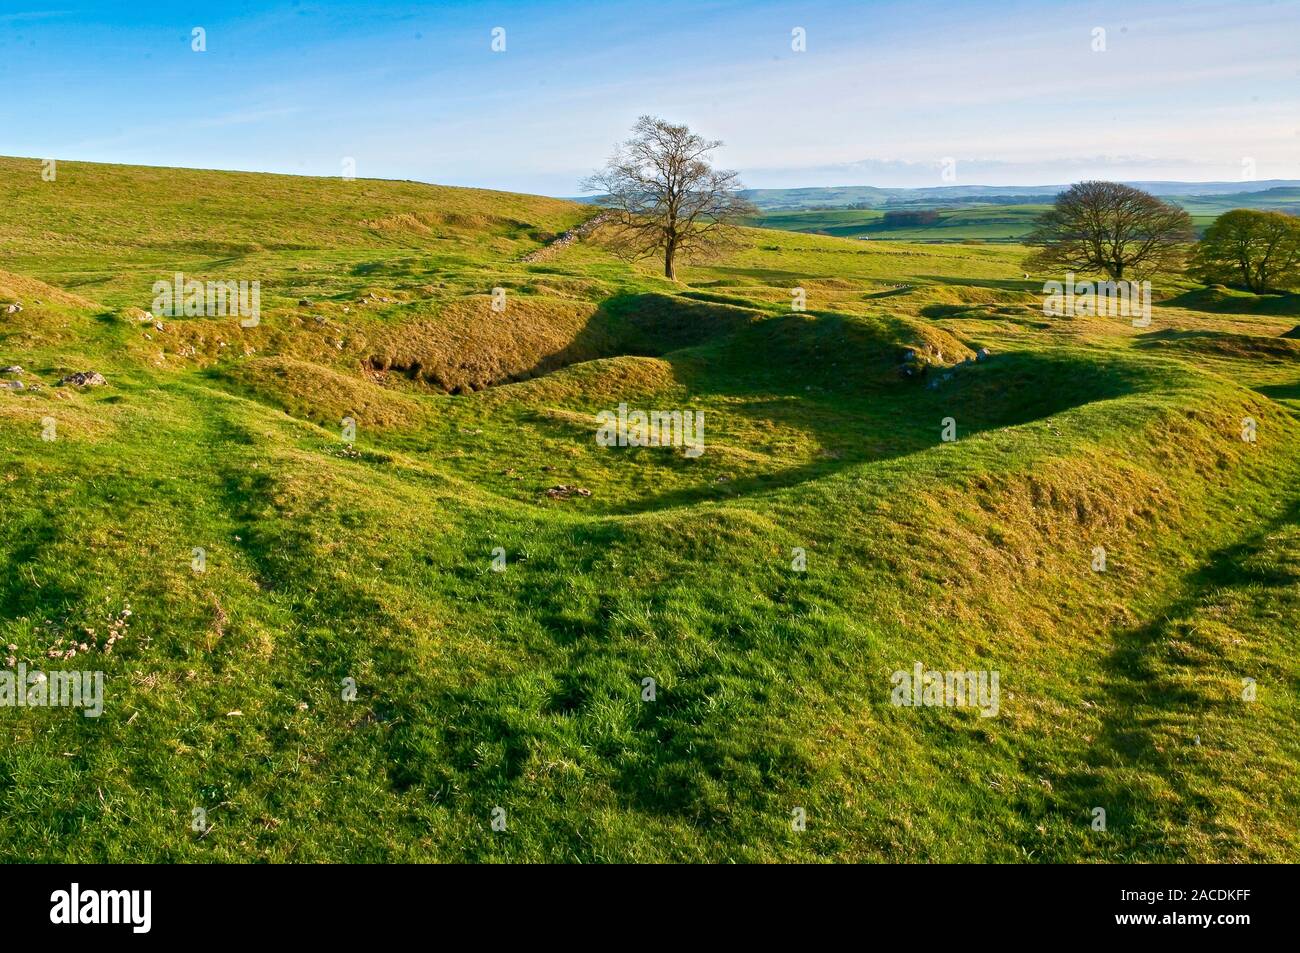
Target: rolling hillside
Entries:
(498, 627)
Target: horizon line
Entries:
(571, 197)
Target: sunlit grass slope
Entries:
(524, 689)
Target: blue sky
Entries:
(1012, 90)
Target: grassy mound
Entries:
(29, 292)
(1241, 346)
(323, 396)
(1223, 300)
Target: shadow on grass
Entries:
(1220, 300)
(18, 596)
(1031, 285)
(637, 325)
(1280, 392)
(891, 293)
(1146, 690)
(857, 425)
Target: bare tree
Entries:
(663, 196)
(1112, 228)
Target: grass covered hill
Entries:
(498, 632)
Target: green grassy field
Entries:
(975, 222)
(522, 689)
(992, 223)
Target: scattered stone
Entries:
(84, 379)
(568, 238)
(304, 303)
(914, 364)
(14, 308)
(11, 385)
(11, 369)
(982, 354)
(564, 492)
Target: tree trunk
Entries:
(670, 250)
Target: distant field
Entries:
(970, 221)
(991, 223)
(954, 196)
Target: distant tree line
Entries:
(905, 219)
(664, 198)
(1128, 235)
